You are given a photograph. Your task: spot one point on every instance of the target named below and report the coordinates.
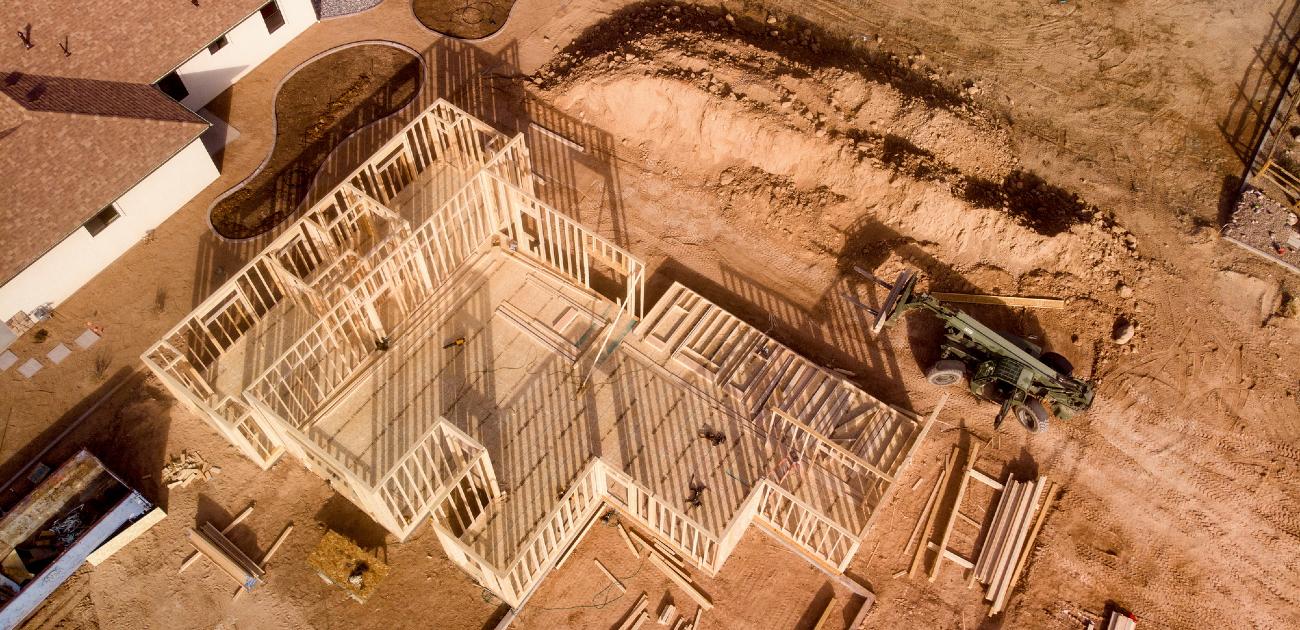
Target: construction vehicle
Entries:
(1023, 378)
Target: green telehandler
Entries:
(1020, 376)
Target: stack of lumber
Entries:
(210, 542)
(1010, 537)
(1120, 621)
(186, 469)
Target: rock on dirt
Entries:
(1124, 331)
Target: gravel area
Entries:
(1265, 225)
(335, 8)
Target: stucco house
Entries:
(99, 139)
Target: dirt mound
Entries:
(777, 134)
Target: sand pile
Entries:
(750, 131)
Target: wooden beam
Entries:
(686, 587)
(956, 507)
(613, 580)
(1000, 300)
(921, 517)
(931, 510)
(222, 556)
(867, 602)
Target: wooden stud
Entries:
(996, 532)
(1007, 559)
(931, 510)
(985, 479)
(132, 531)
(925, 512)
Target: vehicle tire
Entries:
(1058, 363)
(946, 372)
(1032, 415)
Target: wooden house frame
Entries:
(442, 345)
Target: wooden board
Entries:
(931, 511)
(1001, 300)
(608, 574)
(123, 538)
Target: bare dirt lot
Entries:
(1076, 150)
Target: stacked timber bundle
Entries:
(1010, 538)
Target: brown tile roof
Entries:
(69, 147)
(136, 41)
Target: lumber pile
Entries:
(1120, 621)
(187, 468)
(662, 557)
(1008, 537)
(210, 542)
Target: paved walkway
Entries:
(146, 291)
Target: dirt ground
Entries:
(1075, 150)
(321, 104)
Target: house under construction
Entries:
(441, 345)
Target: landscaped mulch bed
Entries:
(466, 19)
(1266, 226)
(316, 109)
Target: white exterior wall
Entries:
(79, 257)
(206, 75)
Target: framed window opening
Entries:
(101, 220)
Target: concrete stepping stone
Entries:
(87, 339)
(58, 354)
(30, 368)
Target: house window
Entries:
(173, 86)
(272, 16)
(101, 220)
(217, 45)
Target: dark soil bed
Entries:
(315, 110)
(466, 19)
